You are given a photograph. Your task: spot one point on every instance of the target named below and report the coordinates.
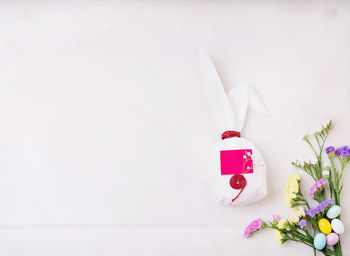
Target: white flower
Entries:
(295, 161)
(313, 161)
(324, 124)
(326, 165)
(307, 161)
(298, 161)
(325, 174)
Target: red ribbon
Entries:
(238, 181)
(230, 134)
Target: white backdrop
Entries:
(105, 128)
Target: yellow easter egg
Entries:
(325, 226)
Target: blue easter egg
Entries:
(320, 241)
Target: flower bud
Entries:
(313, 161)
(326, 165)
(325, 174)
(319, 129)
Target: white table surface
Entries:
(105, 128)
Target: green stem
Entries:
(318, 143)
(312, 147)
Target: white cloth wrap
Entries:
(255, 189)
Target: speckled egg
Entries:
(325, 226)
(333, 212)
(338, 226)
(332, 239)
(320, 241)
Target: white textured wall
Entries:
(105, 128)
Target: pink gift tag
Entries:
(236, 161)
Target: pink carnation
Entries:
(252, 227)
(317, 187)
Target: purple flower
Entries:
(319, 208)
(330, 149)
(345, 148)
(317, 187)
(252, 227)
(338, 151)
(345, 152)
(302, 223)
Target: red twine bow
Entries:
(238, 181)
(230, 134)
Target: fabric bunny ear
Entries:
(238, 97)
(256, 103)
(216, 94)
(241, 97)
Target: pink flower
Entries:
(276, 217)
(317, 187)
(252, 227)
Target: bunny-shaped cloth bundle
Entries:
(237, 171)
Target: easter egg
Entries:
(332, 239)
(333, 212)
(320, 241)
(325, 226)
(338, 226)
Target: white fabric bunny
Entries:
(237, 171)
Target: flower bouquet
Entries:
(316, 222)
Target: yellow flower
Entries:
(296, 176)
(297, 212)
(293, 183)
(290, 199)
(278, 236)
(292, 189)
(283, 224)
